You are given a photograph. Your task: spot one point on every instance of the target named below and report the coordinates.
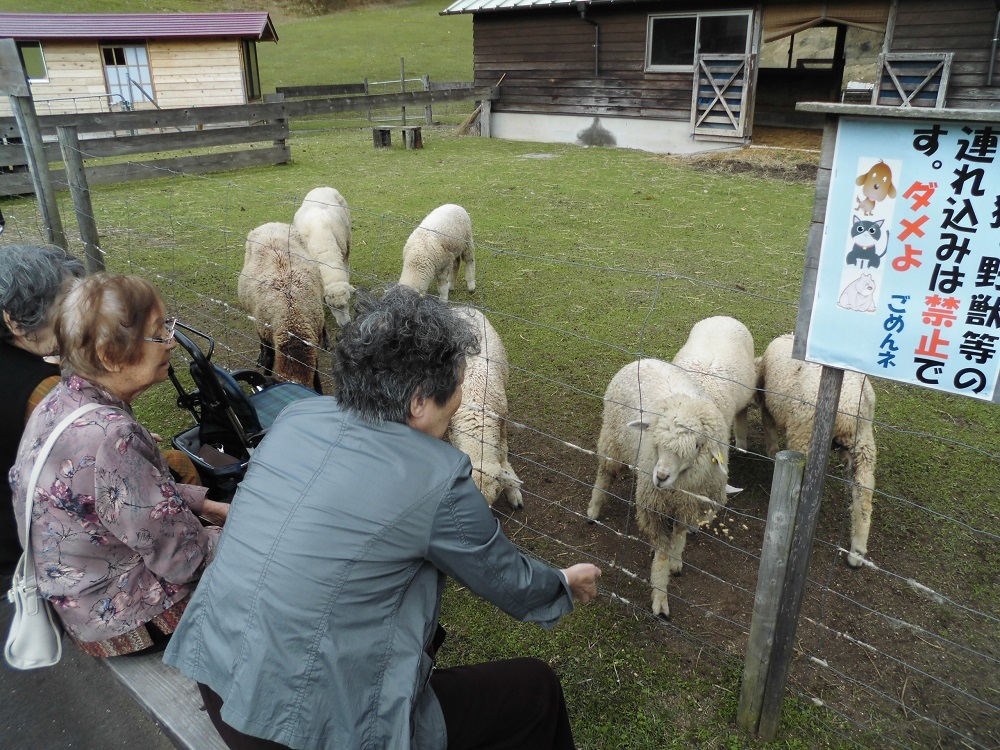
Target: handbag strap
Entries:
(29, 555)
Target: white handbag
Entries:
(35, 637)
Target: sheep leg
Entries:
(605, 475)
(443, 285)
(265, 360)
(453, 279)
(770, 431)
(676, 550)
(666, 562)
(470, 269)
(740, 430)
(659, 579)
(863, 463)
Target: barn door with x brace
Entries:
(721, 91)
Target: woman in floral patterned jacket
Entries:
(118, 545)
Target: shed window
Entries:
(672, 41)
(126, 68)
(33, 60)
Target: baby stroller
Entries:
(232, 411)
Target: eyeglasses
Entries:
(169, 324)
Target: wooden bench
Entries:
(382, 135)
(169, 697)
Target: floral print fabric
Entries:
(115, 540)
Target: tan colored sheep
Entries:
(281, 289)
(436, 248)
(788, 389)
(657, 417)
(479, 427)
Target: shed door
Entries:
(719, 104)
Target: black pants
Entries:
(515, 704)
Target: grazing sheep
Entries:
(788, 390)
(719, 356)
(282, 290)
(436, 248)
(658, 417)
(479, 427)
(324, 221)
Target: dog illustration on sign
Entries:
(876, 185)
(859, 294)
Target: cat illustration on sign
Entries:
(859, 294)
(876, 185)
(865, 235)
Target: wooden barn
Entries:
(114, 62)
(680, 76)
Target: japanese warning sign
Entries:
(908, 282)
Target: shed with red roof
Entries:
(114, 62)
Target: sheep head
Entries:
(494, 480)
(675, 439)
(338, 298)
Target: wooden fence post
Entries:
(402, 84)
(14, 83)
(786, 485)
(428, 108)
(827, 401)
(76, 176)
(484, 118)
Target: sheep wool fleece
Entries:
(312, 623)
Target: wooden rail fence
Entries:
(123, 134)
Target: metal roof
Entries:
(477, 6)
(36, 26)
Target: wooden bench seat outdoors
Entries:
(382, 135)
(169, 697)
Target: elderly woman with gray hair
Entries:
(31, 277)
(118, 545)
(316, 626)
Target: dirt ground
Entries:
(785, 154)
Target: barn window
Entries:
(33, 60)
(672, 41)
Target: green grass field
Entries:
(587, 258)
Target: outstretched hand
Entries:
(582, 579)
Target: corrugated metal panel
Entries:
(477, 6)
(35, 26)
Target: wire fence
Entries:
(903, 652)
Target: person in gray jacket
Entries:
(317, 623)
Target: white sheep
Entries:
(479, 427)
(719, 356)
(659, 419)
(436, 248)
(282, 291)
(324, 221)
(788, 390)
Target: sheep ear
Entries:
(639, 424)
(511, 479)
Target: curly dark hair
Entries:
(31, 277)
(403, 344)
